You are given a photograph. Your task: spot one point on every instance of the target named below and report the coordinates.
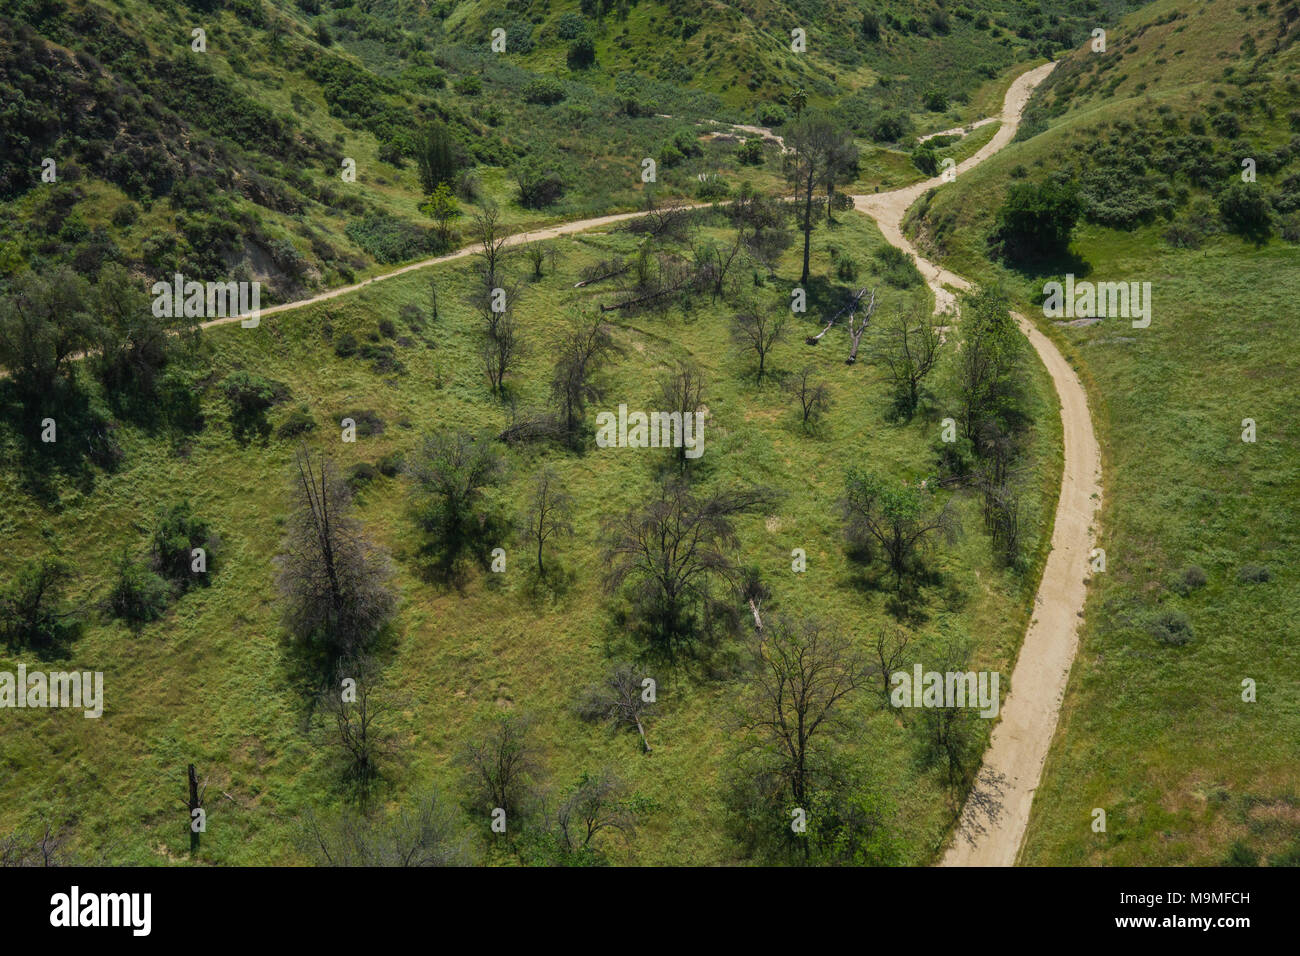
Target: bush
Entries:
(538, 187)
(361, 474)
(544, 90)
(1246, 211)
(345, 345)
(177, 532)
(1171, 628)
(469, 85)
(670, 156)
(1254, 574)
(1191, 579)
(582, 53)
(388, 240)
(299, 422)
(896, 267)
(935, 101)
(1037, 219)
(750, 153)
(570, 26)
(925, 159)
(390, 466)
(713, 189)
(771, 114)
(138, 595)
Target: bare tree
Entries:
(550, 513)
(502, 766)
(499, 345)
(890, 646)
(432, 833)
(670, 549)
(360, 719)
(682, 392)
(578, 359)
(812, 396)
(858, 324)
(759, 328)
(619, 699)
(490, 235)
(593, 806)
(908, 349)
(801, 674)
(334, 583)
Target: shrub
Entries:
(1246, 211)
(925, 159)
(299, 422)
(771, 114)
(345, 345)
(545, 90)
(670, 156)
(361, 474)
(935, 101)
(1037, 219)
(538, 186)
(1254, 574)
(896, 267)
(1171, 628)
(177, 532)
(582, 53)
(137, 595)
(390, 466)
(570, 26)
(469, 85)
(1191, 579)
(750, 153)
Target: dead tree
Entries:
(850, 309)
(621, 698)
(856, 330)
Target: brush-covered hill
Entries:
(1183, 141)
(223, 155)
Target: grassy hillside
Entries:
(229, 161)
(212, 682)
(1199, 530)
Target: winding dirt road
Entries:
(994, 819)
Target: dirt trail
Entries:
(994, 819)
(960, 130)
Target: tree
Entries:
(33, 611)
(671, 549)
(550, 513)
(759, 328)
(579, 357)
(799, 101)
(435, 156)
(177, 532)
(44, 323)
(989, 375)
(1036, 220)
(841, 165)
(817, 153)
(812, 396)
(682, 392)
(805, 159)
(801, 674)
(335, 585)
(430, 833)
(895, 515)
(360, 719)
(442, 208)
(582, 52)
(452, 471)
(620, 700)
(594, 805)
(500, 345)
(908, 348)
(502, 766)
(133, 344)
(491, 238)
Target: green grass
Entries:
(211, 682)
